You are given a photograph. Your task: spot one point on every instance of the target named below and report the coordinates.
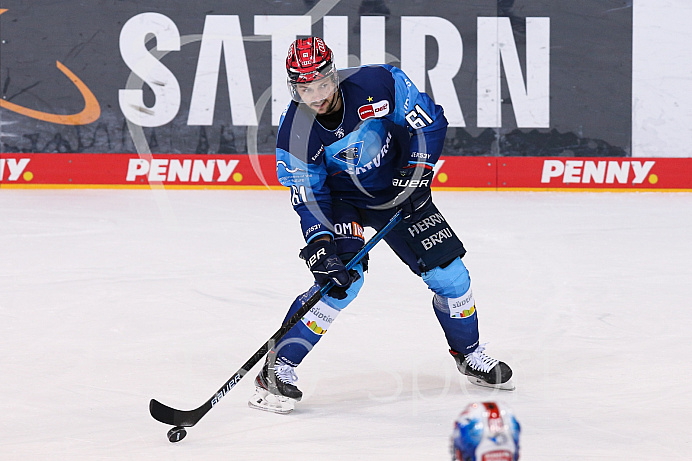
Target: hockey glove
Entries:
(415, 196)
(326, 266)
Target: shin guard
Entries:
(300, 339)
(459, 321)
(454, 305)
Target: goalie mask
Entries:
(485, 431)
(312, 75)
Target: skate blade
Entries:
(266, 401)
(507, 386)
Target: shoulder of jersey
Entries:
(361, 74)
(293, 121)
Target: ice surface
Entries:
(109, 298)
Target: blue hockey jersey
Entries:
(387, 123)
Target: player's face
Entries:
(320, 96)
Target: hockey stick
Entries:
(188, 418)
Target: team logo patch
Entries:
(377, 109)
(351, 154)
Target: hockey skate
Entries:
(275, 388)
(483, 370)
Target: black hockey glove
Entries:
(415, 197)
(326, 266)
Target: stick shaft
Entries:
(188, 418)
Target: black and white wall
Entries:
(516, 78)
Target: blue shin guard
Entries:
(300, 339)
(454, 305)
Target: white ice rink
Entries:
(109, 298)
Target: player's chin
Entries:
(319, 107)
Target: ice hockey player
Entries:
(485, 431)
(354, 146)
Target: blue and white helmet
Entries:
(486, 431)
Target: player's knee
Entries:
(351, 292)
(453, 295)
(451, 281)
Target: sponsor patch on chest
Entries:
(376, 109)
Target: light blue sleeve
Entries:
(310, 197)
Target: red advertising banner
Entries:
(594, 173)
(137, 171)
(564, 173)
(259, 172)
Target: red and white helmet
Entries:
(309, 59)
(486, 431)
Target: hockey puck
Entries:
(177, 434)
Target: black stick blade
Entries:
(168, 415)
